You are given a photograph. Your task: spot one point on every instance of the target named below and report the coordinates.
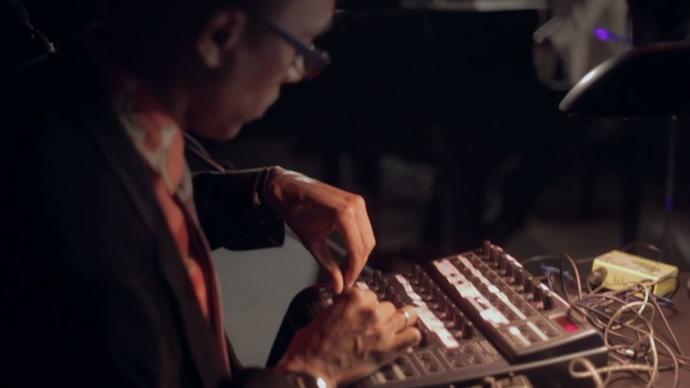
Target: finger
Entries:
(402, 319)
(362, 298)
(361, 306)
(366, 235)
(366, 231)
(324, 255)
(349, 228)
(406, 338)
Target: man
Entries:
(107, 278)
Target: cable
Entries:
(632, 320)
(197, 149)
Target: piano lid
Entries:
(474, 5)
(649, 81)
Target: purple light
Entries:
(669, 204)
(603, 34)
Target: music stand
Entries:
(650, 81)
(647, 82)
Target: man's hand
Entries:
(315, 210)
(351, 339)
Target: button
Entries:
(433, 367)
(406, 367)
(547, 329)
(408, 370)
(532, 336)
(452, 352)
(388, 372)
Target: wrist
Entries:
(305, 376)
(270, 193)
(307, 380)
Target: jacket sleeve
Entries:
(231, 212)
(258, 378)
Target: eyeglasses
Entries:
(310, 61)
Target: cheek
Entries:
(266, 86)
(255, 84)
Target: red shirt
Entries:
(161, 143)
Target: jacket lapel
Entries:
(126, 164)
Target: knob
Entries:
(428, 296)
(517, 278)
(528, 285)
(491, 254)
(508, 269)
(486, 249)
(397, 300)
(442, 311)
(424, 278)
(503, 263)
(377, 276)
(384, 283)
(467, 331)
(459, 326)
(538, 292)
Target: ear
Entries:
(220, 34)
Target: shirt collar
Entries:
(154, 132)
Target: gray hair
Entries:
(131, 23)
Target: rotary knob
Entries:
(538, 292)
(528, 285)
(508, 270)
(467, 331)
(517, 279)
(486, 249)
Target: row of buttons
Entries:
(400, 369)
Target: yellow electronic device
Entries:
(622, 270)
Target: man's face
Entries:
(250, 78)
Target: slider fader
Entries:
(483, 317)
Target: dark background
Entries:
(439, 120)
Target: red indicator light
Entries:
(567, 325)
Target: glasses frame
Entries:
(314, 59)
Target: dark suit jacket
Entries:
(93, 291)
